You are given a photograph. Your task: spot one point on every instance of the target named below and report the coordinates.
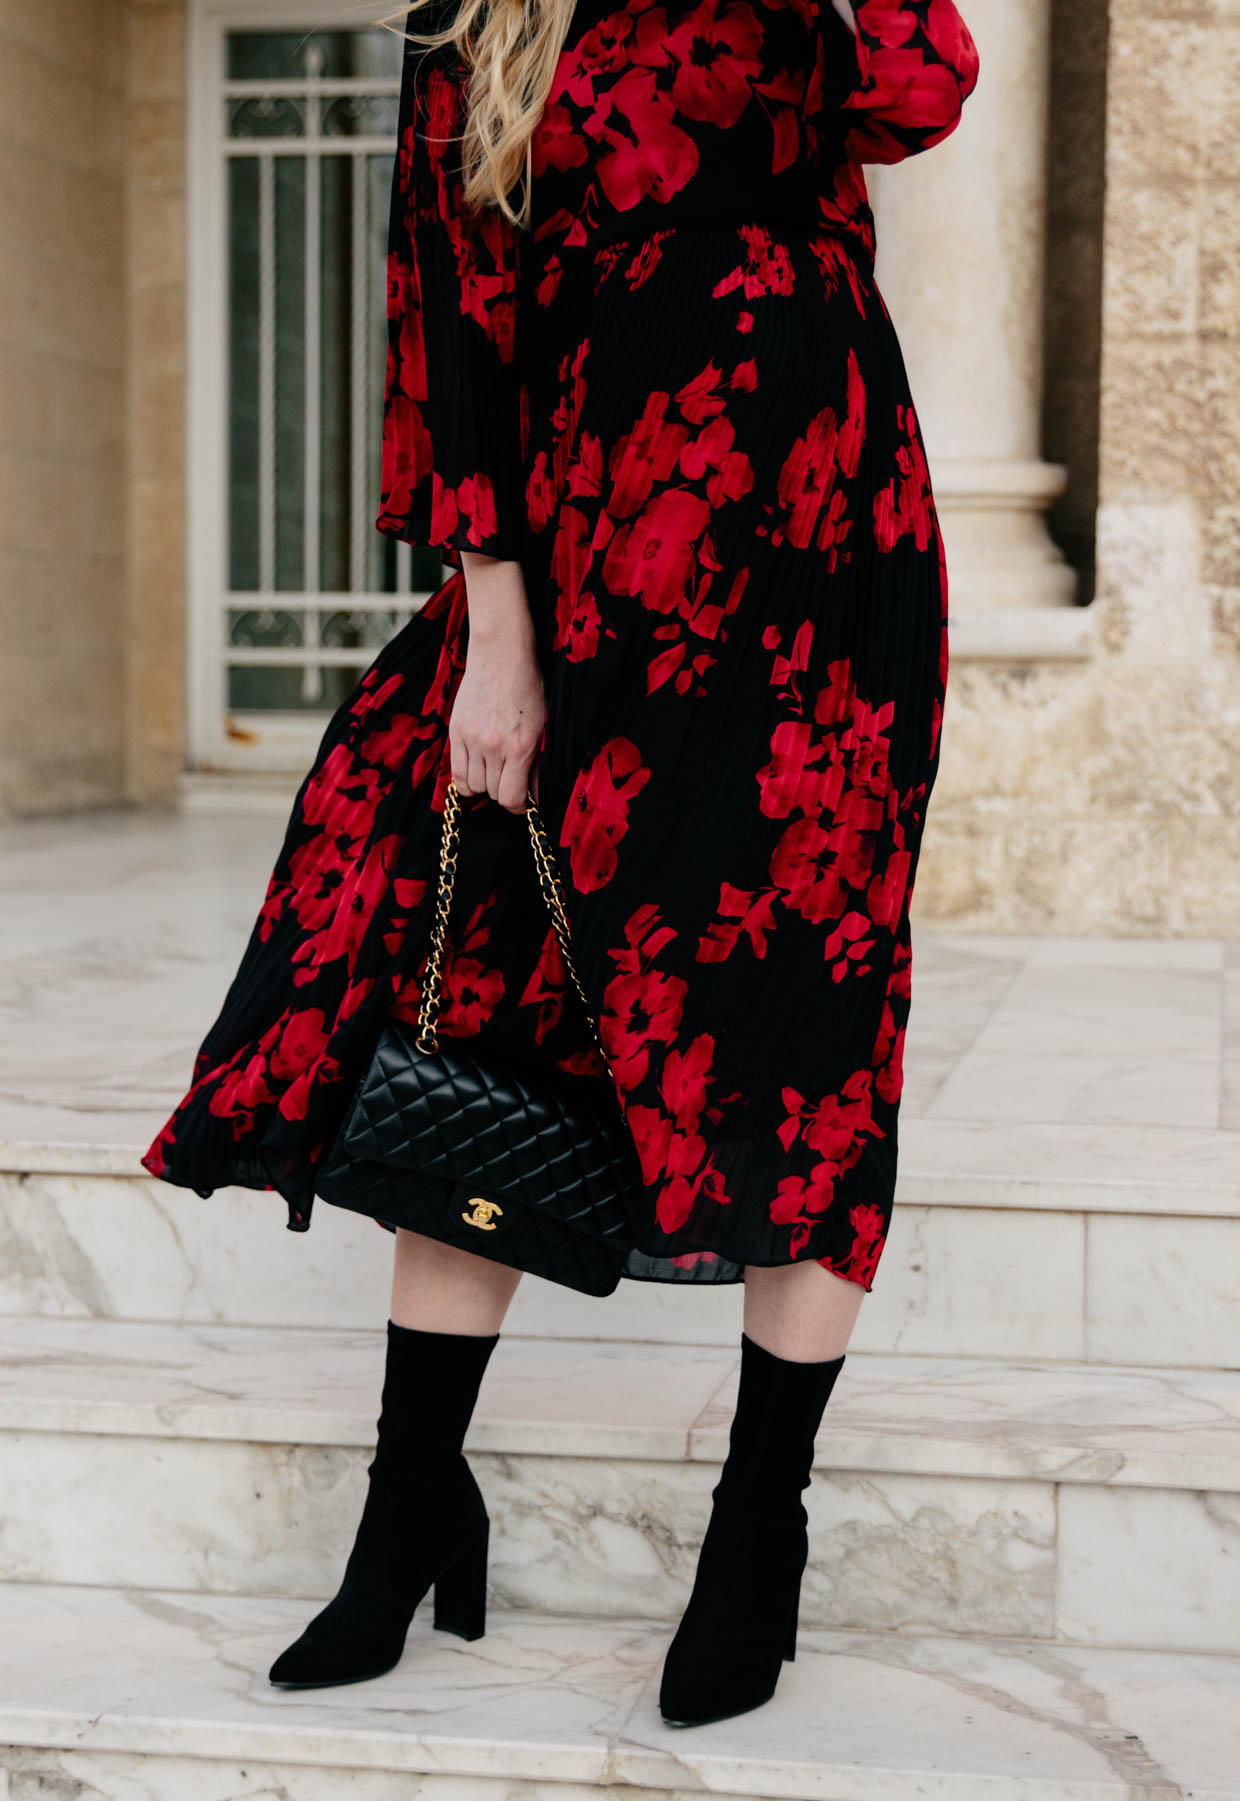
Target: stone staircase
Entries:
(1026, 1513)
(1025, 1580)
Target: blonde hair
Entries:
(510, 49)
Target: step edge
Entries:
(841, 1450)
(619, 1762)
(990, 1191)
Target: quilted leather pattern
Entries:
(525, 1238)
(557, 1145)
(427, 1137)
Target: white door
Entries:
(292, 591)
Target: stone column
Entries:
(962, 232)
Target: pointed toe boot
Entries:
(424, 1524)
(740, 1626)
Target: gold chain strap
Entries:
(552, 892)
(432, 992)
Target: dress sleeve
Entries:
(915, 66)
(451, 461)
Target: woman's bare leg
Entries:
(437, 1288)
(800, 1311)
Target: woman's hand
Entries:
(499, 710)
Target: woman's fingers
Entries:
(459, 765)
(478, 766)
(468, 769)
(509, 786)
(505, 779)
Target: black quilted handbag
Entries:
(538, 1172)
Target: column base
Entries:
(1021, 634)
(999, 552)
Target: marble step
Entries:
(1005, 1242)
(956, 1495)
(110, 1695)
(1069, 1132)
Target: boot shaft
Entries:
(779, 1408)
(430, 1388)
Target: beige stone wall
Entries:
(62, 403)
(1106, 795)
(155, 597)
(1169, 523)
(92, 382)
(1102, 795)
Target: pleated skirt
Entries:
(736, 575)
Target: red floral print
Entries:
(678, 401)
(906, 503)
(741, 914)
(766, 269)
(813, 506)
(709, 56)
(655, 557)
(917, 64)
(598, 813)
(669, 1089)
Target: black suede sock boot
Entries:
(424, 1520)
(741, 1621)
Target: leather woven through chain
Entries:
(552, 893)
(541, 1174)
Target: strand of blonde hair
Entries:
(510, 49)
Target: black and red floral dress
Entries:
(679, 401)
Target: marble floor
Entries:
(951, 1416)
(568, 1703)
(1098, 1080)
(1089, 1064)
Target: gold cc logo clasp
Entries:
(482, 1215)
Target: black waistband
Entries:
(537, 256)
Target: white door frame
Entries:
(275, 741)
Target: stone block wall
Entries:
(1101, 795)
(62, 404)
(92, 401)
(1169, 519)
(1105, 795)
(155, 591)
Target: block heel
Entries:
(461, 1593)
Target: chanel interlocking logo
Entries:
(482, 1214)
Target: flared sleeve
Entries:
(451, 459)
(916, 65)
